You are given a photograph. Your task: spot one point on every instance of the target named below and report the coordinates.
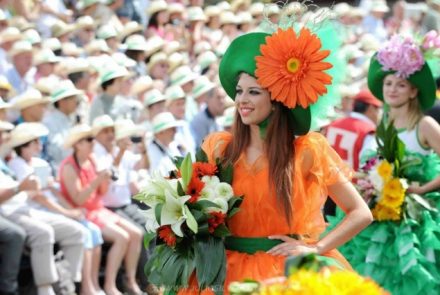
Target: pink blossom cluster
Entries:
(401, 55)
(431, 40)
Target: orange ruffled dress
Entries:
(259, 215)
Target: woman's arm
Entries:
(358, 216)
(429, 133)
(78, 193)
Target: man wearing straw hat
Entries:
(112, 151)
(21, 74)
(110, 100)
(65, 98)
(7, 39)
(12, 236)
(43, 228)
(160, 150)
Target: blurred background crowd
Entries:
(97, 95)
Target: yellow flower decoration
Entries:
(385, 213)
(393, 193)
(385, 170)
(306, 282)
(291, 67)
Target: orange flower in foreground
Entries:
(204, 169)
(291, 67)
(194, 189)
(167, 235)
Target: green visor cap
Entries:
(240, 58)
(423, 80)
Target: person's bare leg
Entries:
(96, 263)
(87, 287)
(131, 258)
(119, 239)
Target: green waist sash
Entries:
(252, 245)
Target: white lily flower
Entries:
(376, 179)
(224, 190)
(151, 224)
(175, 213)
(154, 192)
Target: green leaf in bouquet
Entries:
(180, 190)
(226, 173)
(158, 212)
(221, 231)
(210, 258)
(233, 212)
(186, 171)
(199, 216)
(201, 156)
(235, 201)
(178, 161)
(205, 204)
(190, 220)
(148, 237)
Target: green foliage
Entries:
(201, 156)
(186, 171)
(390, 147)
(311, 262)
(158, 212)
(148, 237)
(210, 258)
(225, 172)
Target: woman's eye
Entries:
(238, 91)
(254, 92)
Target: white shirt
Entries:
(161, 157)
(59, 127)
(119, 193)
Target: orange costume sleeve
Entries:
(260, 215)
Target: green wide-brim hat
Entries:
(423, 80)
(240, 58)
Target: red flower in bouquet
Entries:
(194, 189)
(204, 169)
(167, 235)
(216, 219)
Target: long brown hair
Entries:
(279, 150)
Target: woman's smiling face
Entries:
(253, 102)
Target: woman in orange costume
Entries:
(283, 171)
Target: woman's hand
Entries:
(416, 189)
(291, 247)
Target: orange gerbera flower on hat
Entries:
(291, 67)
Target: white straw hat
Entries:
(141, 84)
(29, 98)
(174, 92)
(153, 96)
(164, 121)
(126, 128)
(156, 6)
(77, 133)
(10, 34)
(136, 42)
(102, 122)
(182, 75)
(65, 89)
(20, 47)
(26, 132)
(201, 86)
(113, 72)
(157, 58)
(45, 84)
(6, 126)
(106, 31)
(130, 28)
(195, 13)
(45, 56)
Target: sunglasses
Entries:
(89, 139)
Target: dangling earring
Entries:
(273, 108)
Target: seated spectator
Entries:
(83, 187)
(161, 151)
(43, 228)
(204, 122)
(65, 98)
(12, 236)
(112, 151)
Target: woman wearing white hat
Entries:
(158, 20)
(29, 210)
(83, 186)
